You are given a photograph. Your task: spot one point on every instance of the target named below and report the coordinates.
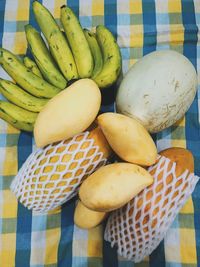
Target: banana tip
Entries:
(27, 26)
(35, 2)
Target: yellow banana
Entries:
(57, 43)
(18, 96)
(18, 117)
(43, 58)
(24, 77)
(31, 65)
(111, 58)
(96, 52)
(77, 41)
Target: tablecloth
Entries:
(50, 240)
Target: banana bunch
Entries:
(65, 54)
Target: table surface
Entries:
(27, 239)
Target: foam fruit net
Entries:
(137, 228)
(51, 176)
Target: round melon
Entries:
(158, 89)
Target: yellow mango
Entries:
(68, 113)
(86, 218)
(112, 186)
(128, 138)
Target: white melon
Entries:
(158, 89)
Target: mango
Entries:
(86, 218)
(68, 113)
(112, 186)
(128, 138)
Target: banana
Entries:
(77, 41)
(96, 52)
(18, 96)
(57, 43)
(24, 77)
(18, 117)
(43, 58)
(30, 64)
(112, 62)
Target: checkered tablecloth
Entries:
(51, 240)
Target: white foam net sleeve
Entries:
(137, 228)
(51, 176)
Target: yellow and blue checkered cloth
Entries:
(51, 240)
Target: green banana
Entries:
(112, 61)
(43, 58)
(31, 65)
(24, 77)
(96, 52)
(57, 43)
(18, 117)
(18, 96)
(78, 42)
